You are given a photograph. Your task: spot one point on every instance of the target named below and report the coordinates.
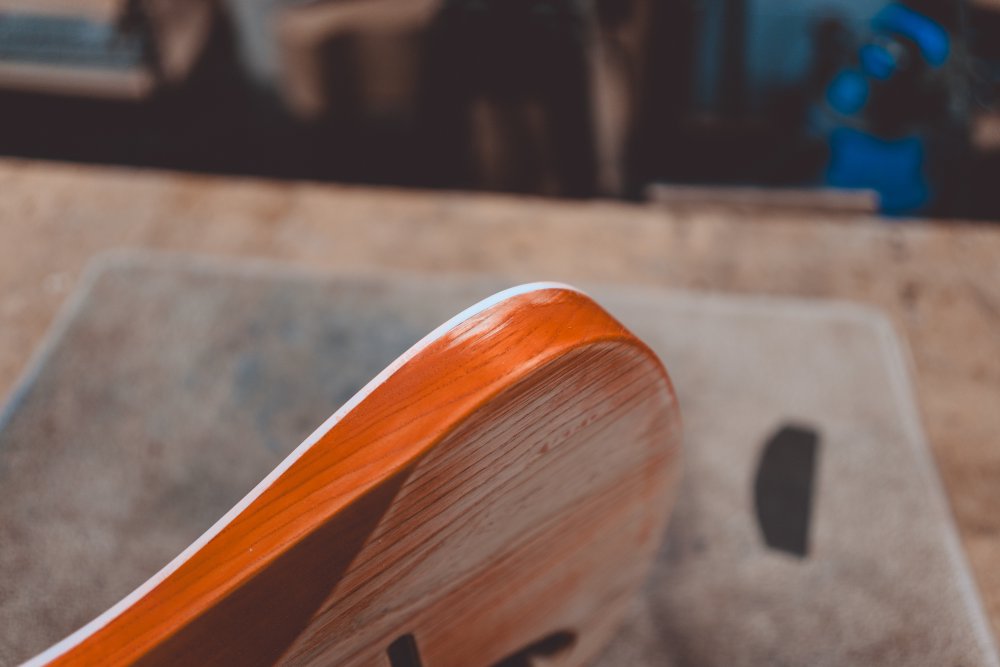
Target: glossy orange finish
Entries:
(513, 473)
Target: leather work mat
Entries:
(811, 528)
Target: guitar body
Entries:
(497, 492)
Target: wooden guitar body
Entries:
(498, 491)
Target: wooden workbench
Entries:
(940, 284)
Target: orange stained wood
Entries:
(505, 483)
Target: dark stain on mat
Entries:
(783, 489)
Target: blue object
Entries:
(877, 61)
(848, 92)
(892, 167)
(930, 37)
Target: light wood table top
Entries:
(940, 284)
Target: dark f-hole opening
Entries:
(783, 490)
(403, 652)
(547, 647)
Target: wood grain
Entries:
(507, 479)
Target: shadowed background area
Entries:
(855, 105)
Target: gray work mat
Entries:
(810, 529)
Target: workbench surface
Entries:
(939, 283)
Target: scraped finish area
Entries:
(506, 479)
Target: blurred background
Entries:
(854, 105)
